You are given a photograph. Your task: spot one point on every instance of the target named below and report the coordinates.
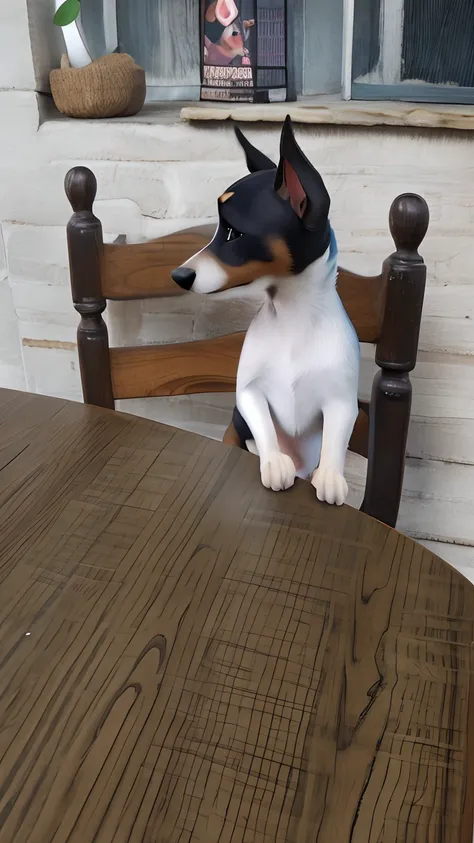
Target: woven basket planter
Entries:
(113, 86)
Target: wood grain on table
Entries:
(189, 658)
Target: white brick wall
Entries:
(11, 364)
(16, 63)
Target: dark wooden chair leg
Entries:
(405, 275)
(388, 431)
(85, 241)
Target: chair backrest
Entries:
(385, 309)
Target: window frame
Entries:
(347, 49)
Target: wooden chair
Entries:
(385, 310)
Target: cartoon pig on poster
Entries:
(225, 35)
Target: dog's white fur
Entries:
(298, 373)
(210, 275)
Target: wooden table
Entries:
(189, 658)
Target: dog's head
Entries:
(272, 223)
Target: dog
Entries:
(225, 34)
(298, 374)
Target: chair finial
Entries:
(80, 185)
(409, 220)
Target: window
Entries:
(163, 36)
(415, 50)
(420, 50)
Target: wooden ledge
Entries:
(329, 111)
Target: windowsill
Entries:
(327, 109)
(156, 113)
(331, 110)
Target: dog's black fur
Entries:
(258, 209)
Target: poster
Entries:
(244, 50)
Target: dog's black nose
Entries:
(184, 276)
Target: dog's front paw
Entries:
(330, 486)
(278, 471)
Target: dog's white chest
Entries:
(301, 357)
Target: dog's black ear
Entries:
(256, 160)
(299, 182)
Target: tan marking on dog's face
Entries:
(279, 267)
(225, 197)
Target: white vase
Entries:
(110, 24)
(76, 49)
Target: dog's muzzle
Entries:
(184, 276)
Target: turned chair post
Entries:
(85, 242)
(404, 273)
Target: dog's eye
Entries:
(233, 234)
(235, 33)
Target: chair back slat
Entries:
(179, 369)
(143, 270)
(363, 298)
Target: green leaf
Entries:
(67, 13)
